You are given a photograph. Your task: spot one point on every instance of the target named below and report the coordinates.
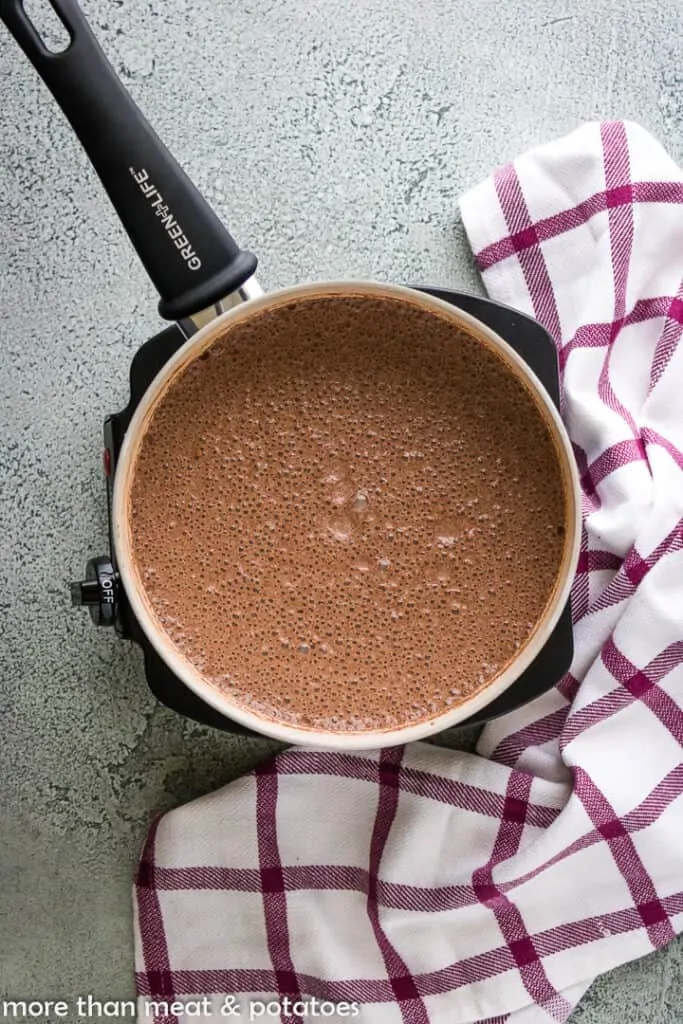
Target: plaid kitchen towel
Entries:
(420, 885)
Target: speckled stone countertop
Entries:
(335, 140)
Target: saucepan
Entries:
(201, 274)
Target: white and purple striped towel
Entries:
(419, 885)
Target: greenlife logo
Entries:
(168, 221)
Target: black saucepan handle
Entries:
(189, 255)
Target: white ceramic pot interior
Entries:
(183, 668)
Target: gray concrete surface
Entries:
(335, 139)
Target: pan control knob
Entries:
(99, 591)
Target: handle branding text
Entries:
(168, 221)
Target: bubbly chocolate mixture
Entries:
(347, 514)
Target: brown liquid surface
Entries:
(348, 514)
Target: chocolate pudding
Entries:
(347, 514)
